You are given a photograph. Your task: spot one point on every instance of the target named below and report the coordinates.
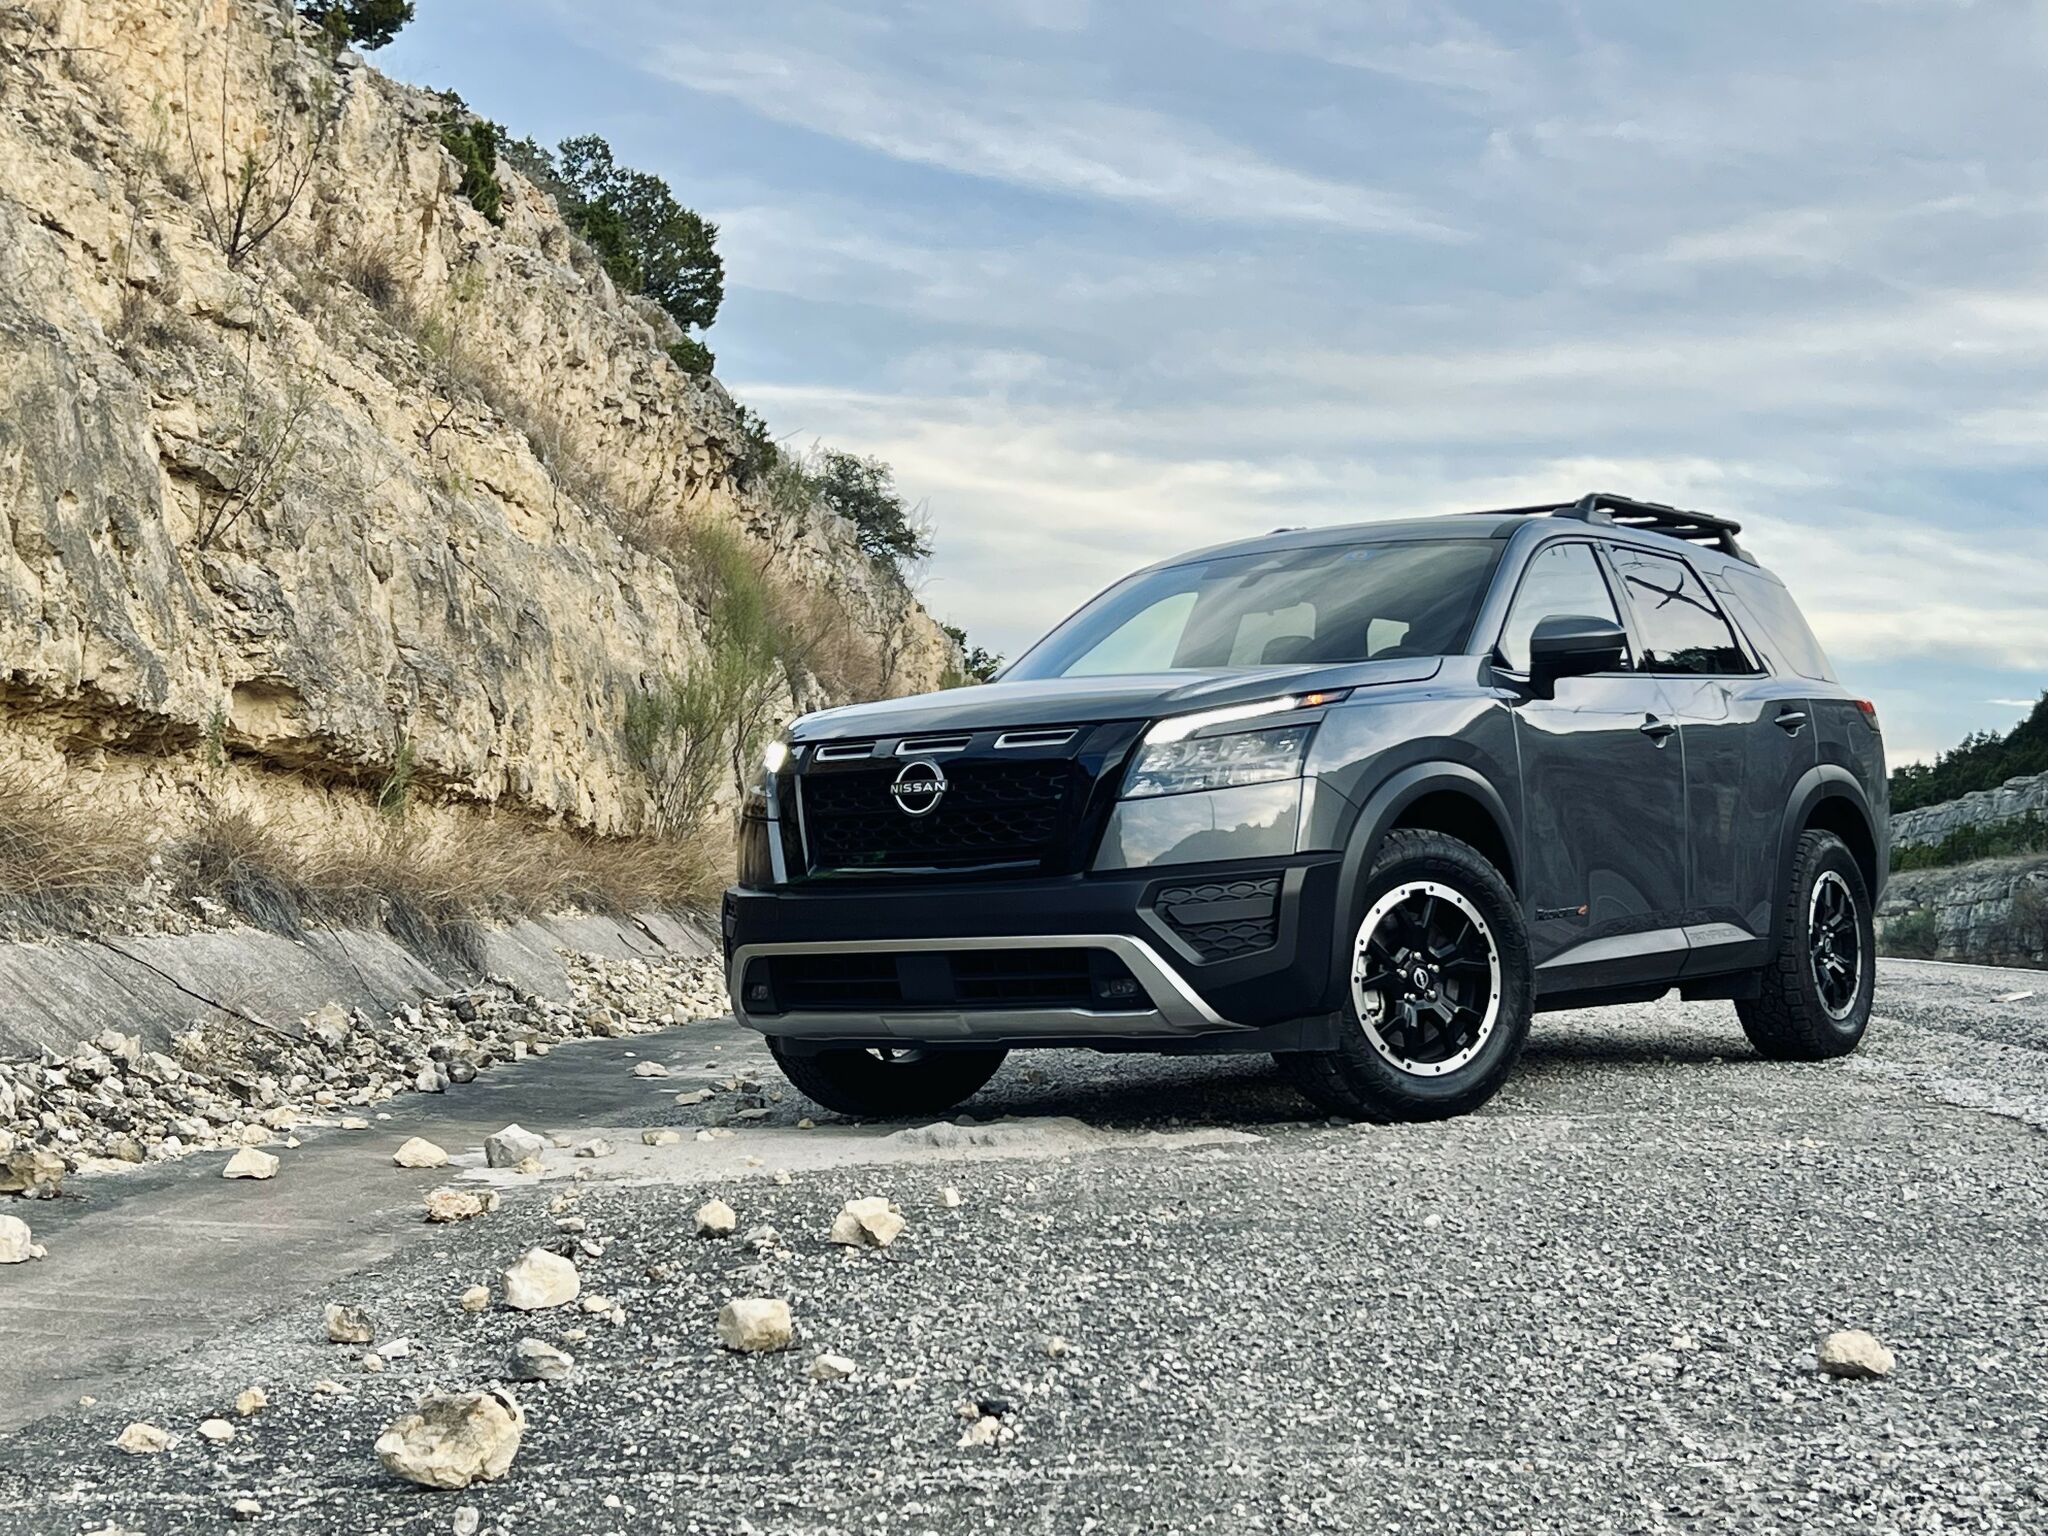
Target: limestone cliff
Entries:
(387, 490)
(2013, 800)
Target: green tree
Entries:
(976, 664)
(475, 143)
(649, 242)
(863, 491)
(367, 24)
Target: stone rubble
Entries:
(538, 1360)
(751, 1325)
(716, 1219)
(872, 1222)
(112, 1102)
(541, 1280)
(143, 1439)
(447, 1205)
(418, 1152)
(347, 1325)
(251, 1163)
(17, 1245)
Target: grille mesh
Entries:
(1223, 919)
(991, 812)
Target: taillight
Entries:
(1869, 713)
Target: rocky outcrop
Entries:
(2011, 801)
(1992, 912)
(389, 491)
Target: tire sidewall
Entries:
(1445, 860)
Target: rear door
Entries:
(1603, 798)
(1747, 737)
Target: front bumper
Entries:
(1147, 927)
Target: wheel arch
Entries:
(1447, 797)
(1829, 799)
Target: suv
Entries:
(1366, 798)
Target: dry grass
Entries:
(62, 862)
(429, 877)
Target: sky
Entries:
(1104, 280)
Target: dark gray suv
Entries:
(1366, 798)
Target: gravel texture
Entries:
(1591, 1307)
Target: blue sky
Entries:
(1105, 280)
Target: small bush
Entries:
(1914, 935)
(366, 24)
(475, 142)
(1998, 840)
(863, 491)
(60, 861)
(692, 356)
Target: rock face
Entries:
(454, 1439)
(2011, 801)
(1992, 912)
(385, 490)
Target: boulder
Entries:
(512, 1146)
(446, 1205)
(454, 1439)
(868, 1223)
(716, 1219)
(35, 1172)
(16, 1245)
(251, 1163)
(753, 1325)
(347, 1325)
(418, 1152)
(538, 1360)
(143, 1439)
(541, 1280)
(1854, 1355)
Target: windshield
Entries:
(1287, 607)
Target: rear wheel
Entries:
(1438, 997)
(887, 1081)
(1814, 998)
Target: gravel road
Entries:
(1592, 1307)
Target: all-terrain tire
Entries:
(1359, 1081)
(1790, 1019)
(910, 1082)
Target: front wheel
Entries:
(1814, 998)
(1439, 993)
(887, 1082)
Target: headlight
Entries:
(1176, 759)
(1218, 762)
(774, 755)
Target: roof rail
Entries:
(1654, 517)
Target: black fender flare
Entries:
(1382, 809)
(1821, 783)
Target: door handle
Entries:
(1659, 731)
(1791, 721)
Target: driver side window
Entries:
(1562, 579)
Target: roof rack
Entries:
(1648, 516)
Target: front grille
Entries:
(942, 980)
(993, 812)
(1223, 919)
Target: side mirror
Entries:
(1573, 645)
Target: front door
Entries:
(1603, 799)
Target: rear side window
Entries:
(1764, 608)
(1682, 629)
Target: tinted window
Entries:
(1561, 579)
(1347, 602)
(1765, 609)
(1682, 630)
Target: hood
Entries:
(1074, 700)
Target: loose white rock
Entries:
(693, 1096)
(512, 1146)
(17, 1246)
(251, 1402)
(983, 1431)
(716, 1219)
(832, 1368)
(538, 1360)
(541, 1280)
(949, 1197)
(250, 1163)
(871, 1222)
(475, 1299)
(753, 1325)
(596, 1146)
(649, 1069)
(219, 1431)
(661, 1137)
(143, 1439)
(418, 1152)
(1855, 1356)
(454, 1439)
(446, 1205)
(348, 1325)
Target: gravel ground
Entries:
(1591, 1307)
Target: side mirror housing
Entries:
(1573, 645)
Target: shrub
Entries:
(2026, 834)
(976, 665)
(1915, 935)
(59, 860)
(1981, 761)
(367, 24)
(691, 355)
(475, 142)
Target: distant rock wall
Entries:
(371, 498)
(1992, 912)
(2012, 800)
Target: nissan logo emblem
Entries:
(918, 788)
